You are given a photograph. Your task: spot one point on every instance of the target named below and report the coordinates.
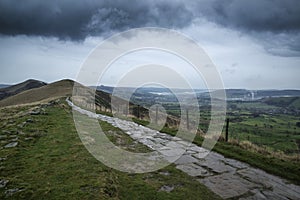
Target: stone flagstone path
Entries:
(226, 177)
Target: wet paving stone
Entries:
(229, 178)
(228, 185)
(194, 170)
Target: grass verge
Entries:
(50, 162)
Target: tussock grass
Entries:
(264, 150)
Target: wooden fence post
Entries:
(138, 112)
(156, 115)
(227, 127)
(187, 119)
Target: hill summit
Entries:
(44, 92)
(18, 88)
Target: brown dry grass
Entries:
(249, 146)
(52, 91)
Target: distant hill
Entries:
(4, 85)
(107, 89)
(277, 93)
(63, 88)
(18, 88)
(246, 95)
(285, 102)
(50, 91)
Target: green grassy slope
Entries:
(286, 102)
(50, 162)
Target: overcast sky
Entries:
(255, 44)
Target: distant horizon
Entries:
(107, 85)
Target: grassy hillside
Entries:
(50, 162)
(285, 102)
(63, 88)
(18, 88)
(50, 91)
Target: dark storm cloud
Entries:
(78, 19)
(254, 15)
(266, 20)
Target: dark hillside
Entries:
(18, 88)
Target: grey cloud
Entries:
(284, 44)
(254, 15)
(276, 23)
(76, 20)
